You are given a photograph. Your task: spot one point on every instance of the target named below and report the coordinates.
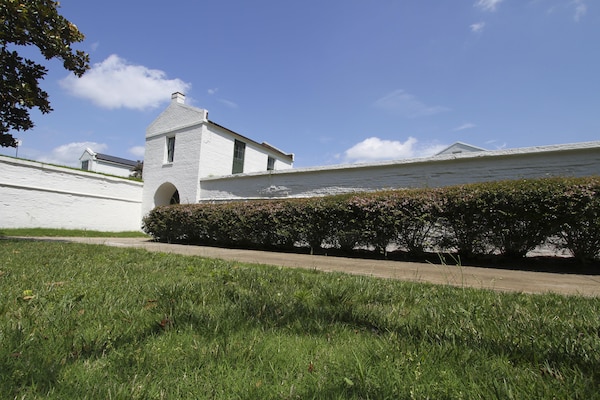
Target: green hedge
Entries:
(508, 218)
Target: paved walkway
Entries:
(485, 278)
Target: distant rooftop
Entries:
(116, 160)
(460, 147)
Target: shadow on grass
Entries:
(552, 264)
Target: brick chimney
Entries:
(178, 97)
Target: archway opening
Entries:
(175, 198)
(166, 194)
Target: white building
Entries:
(190, 159)
(106, 164)
(184, 146)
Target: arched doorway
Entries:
(166, 194)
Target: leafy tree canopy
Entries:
(37, 23)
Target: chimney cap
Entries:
(178, 97)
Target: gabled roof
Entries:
(179, 115)
(176, 116)
(460, 147)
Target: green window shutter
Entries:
(239, 150)
(170, 149)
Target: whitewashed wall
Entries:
(34, 194)
(256, 159)
(182, 173)
(217, 154)
(37, 195)
(110, 168)
(202, 149)
(580, 159)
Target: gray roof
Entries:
(247, 139)
(116, 160)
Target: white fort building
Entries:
(191, 159)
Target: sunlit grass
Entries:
(85, 321)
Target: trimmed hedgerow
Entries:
(462, 220)
(579, 218)
(509, 218)
(521, 215)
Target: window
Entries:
(270, 163)
(85, 165)
(239, 149)
(170, 149)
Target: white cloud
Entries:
(137, 151)
(228, 103)
(579, 6)
(376, 149)
(467, 125)
(405, 104)
(68, 154)
(496, 145)
(580, 9)
(477, 27)
(115, 83)
(488, 5)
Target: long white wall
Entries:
(34, 194)
(580, 159)
(37, 195)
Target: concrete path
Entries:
(484, 278)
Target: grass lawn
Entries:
(86, 321)
(33, 232)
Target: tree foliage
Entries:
(138, 170)
(31, 23)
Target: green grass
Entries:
(38, 232)
(86, 321)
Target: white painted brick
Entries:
(581, 159)
(202, 149)
(37, 195)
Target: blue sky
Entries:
(335, 81)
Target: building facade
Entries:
(183, 146)
(190, 159)
(106, 164)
